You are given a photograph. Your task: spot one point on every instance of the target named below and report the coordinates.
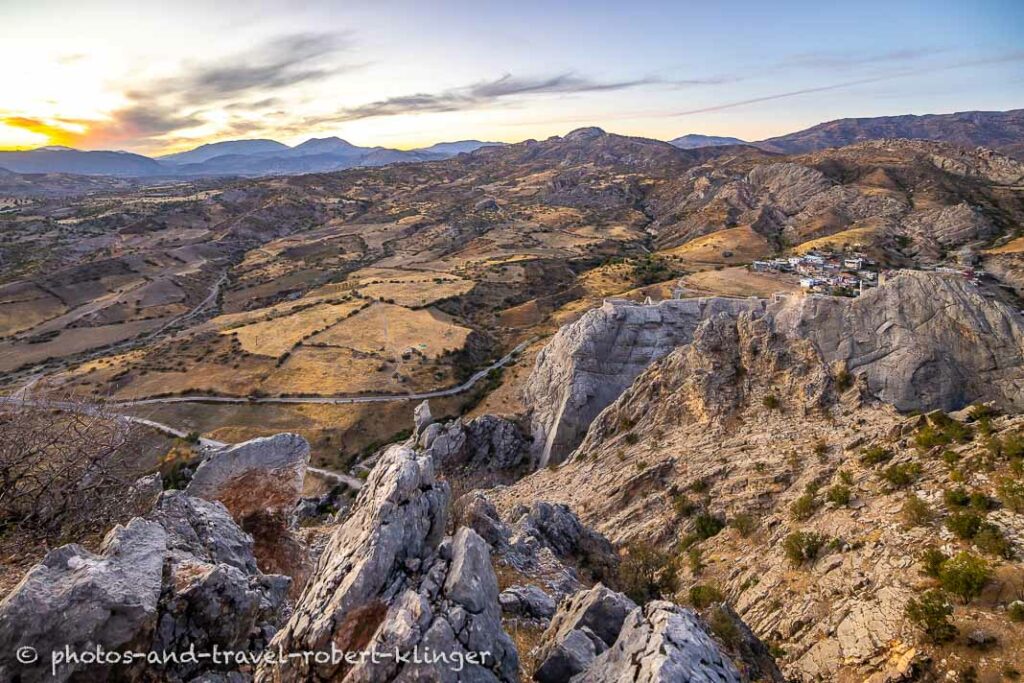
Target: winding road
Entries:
(334, 400)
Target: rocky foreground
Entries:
(715, 490)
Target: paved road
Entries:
(336, 400)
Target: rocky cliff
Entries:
(921, 341)
(589, 363)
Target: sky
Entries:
(157, 78)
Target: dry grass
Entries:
(743, 244)
(390, 330)
(274, 337)
(739, 282)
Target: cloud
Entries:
(177, 103)
(484, 93)
(849, 60)
(1000, 59)
(281, 63)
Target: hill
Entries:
(998, 130)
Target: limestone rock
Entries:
(483, 443)
(662, 642)
(259, 475)
(389, 580)
(922, 341)
(77, 599)
(421, 418)
(589, 363)
(527, 601)
(184, 577)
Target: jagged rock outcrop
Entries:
(934, 231)
(585, 625)
(256, 476)
(260, 482)
(546, 542)
(483, 443)
(601, 635)
(662, 642)
(389, 580)
(589, 363)
(184, 577)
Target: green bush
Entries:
(702, 597)
(845, 478)
(724, 627)
(901, 475)
(683, 506)
(802, 546)
(991, 540)
(803, 507)
(771, 402)
(744, 523)
(1011, 493)
(839, 494)
(932, 559)
(647, 573)
(706, 525)
(875, 455)
(1016, 611)
(956, 498)
(931, 614)
(915, 511)
(964, 575)
(964, 525)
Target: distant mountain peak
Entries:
(583, 134)
(696, 140)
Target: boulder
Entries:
(81, 600)
(185, 577)
(527, 601)
(599, 609)
(662, 643)
(569, 656)
(257, 476)
(486, 443)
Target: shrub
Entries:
(931, 614)
(802, 546)
(771, 402)
(744, 523)
(964, 575)
(1011, 493)
(956, 498)
(803, 507)
(632, 438)
(647, 573)
(821, 448)
(1016, 611)
(706, 525)
(845, 478)
(724, 627)
(901, 475)
(839, 494)
(991, 540)
(683, 506)
(915, 511)
(702, 596)
(932, 558)
(964, 525)
(695, 560)
(843, 380)
(875, 455)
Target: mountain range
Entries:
(1001, 131)
(229, 158)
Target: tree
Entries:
(646, 573)
(64, 466)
